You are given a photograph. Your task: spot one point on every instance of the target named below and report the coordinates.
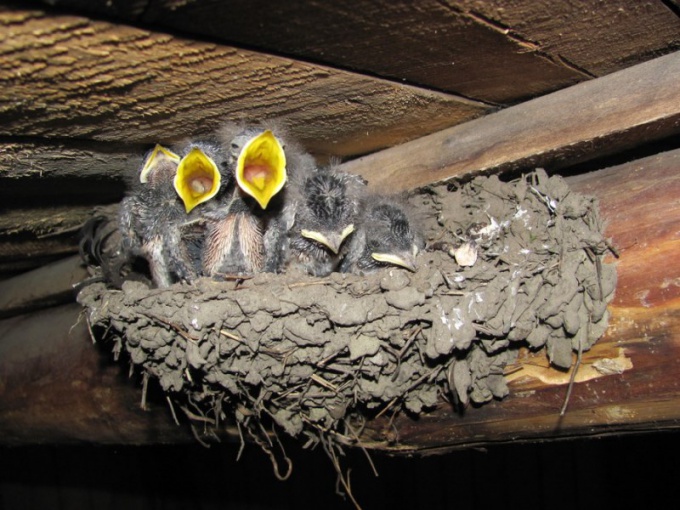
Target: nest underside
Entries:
(312, 354)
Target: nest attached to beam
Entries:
(508, 265)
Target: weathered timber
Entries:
(46, 286)
(56, 387)
(20, 253)
(639, 202)
(43, 222)
(33, 236)
(595, 118)
(427, 44)
(597, 37)
(72, 77)
(492, 50)
(47, 161)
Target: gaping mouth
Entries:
(157, 156)
(197, 179)
(261, 168)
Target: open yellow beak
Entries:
(157, 156)
(261, 168)
(197, 179)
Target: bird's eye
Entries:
(234, 146)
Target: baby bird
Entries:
(199, 182)
(255, 172)
(151, 219)
(325, 211)
(384, 237)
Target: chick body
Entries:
(385, 237)
(326, 207)
(152, 218)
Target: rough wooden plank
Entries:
(72, 160)
(46, 286)
(71, 77)
(599, 37)
(591, 119)
(429, 43)
(34, 236)
(54, 387)
(639, 201)
(23, 253)
(45, 222)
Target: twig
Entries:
(196, 417)
(243, 442)
(415, 383)
(323, 382)
(270, 454)
(231, 335)
(572, 379)
(145, 387)
(612, 249)
(184, 334)
(172, 410)
(363, 448)
(345, 482)
(324, 361)
(307, 284)
(197, 437)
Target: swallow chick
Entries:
(326, 207)
(384, 237)
(153, 218)
(255, 168)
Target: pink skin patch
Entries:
(256, 174)
(200, 185)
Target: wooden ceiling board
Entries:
(492, 50)
(65, 159)
(72, 77)
(424, 43)
(599, 117)
(599, 37)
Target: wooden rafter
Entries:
(595, 118)
(639, 203)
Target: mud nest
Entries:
(508, 265)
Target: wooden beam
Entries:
(591, 119)
(493, 50)
(56, 387)
(72, 77)
(598, 37)
(31, 237)
(69, 161)
(639, 202)
(49, 285)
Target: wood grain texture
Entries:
(43, 160)
(33, 236)
(639, 202)
(598, 37)
(492, 50)
(47, 286)
(595, 118)
(427, 43)
(71, 77)
(55, 387)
